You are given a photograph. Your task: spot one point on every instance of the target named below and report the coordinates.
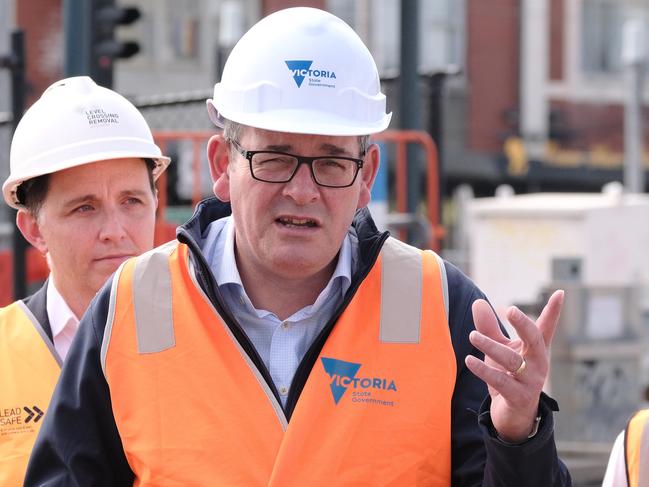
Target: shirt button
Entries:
(285, 325)
(283, 390)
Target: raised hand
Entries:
(514, 370)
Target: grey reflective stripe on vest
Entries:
(41, 332)
(151, 301)
(401, 282)
(401, 292)
(154, 318)
(643, 468)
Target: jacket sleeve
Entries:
(78, 444)
(478, 457)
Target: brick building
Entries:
(536, 98)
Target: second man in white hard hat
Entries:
(283, 340)
(83, 165)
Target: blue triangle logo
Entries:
(337, 370)
(298, 67)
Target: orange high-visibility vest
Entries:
(192, 409)
(636, 449)
(29, 369)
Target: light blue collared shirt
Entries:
(280, 344)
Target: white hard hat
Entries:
(301, 70)
(77, 122)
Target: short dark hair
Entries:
(32, 192)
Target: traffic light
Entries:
(106, 17)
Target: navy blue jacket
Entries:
(79, 443)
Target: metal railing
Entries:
(401, 139)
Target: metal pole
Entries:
(409, 93)
(77, 29)
(19, 245)
(633, 153)
(435, 123)
(633, 55)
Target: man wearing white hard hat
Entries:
(283, 340)
(82, 170)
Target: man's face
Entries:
(292, 230)
(93, 218)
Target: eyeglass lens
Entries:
(329, 171)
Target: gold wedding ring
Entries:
(520, 369)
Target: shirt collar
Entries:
(227, 272)
(58, 311)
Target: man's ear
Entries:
(218, 155)
(29, 227)
(368, 174)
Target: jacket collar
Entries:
(212, 209)
(37, 304)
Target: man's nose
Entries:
(112, 225)
(302, 188)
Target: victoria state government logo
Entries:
(369, 390)
(301, 70)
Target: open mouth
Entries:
(297, 222)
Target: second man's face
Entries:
(94, 217)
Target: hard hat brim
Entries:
(299, 121)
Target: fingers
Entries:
(503, 355)
(512, 364)
(549, 318)
(506, 385)
(526, 330)
(539, 333)
(485, 321)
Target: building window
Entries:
(441, 31)
(440, 34)
(601, 36)
(184, 29)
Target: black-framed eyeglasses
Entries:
(272, 166)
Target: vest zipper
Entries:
(304, 368)
(206, 280)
